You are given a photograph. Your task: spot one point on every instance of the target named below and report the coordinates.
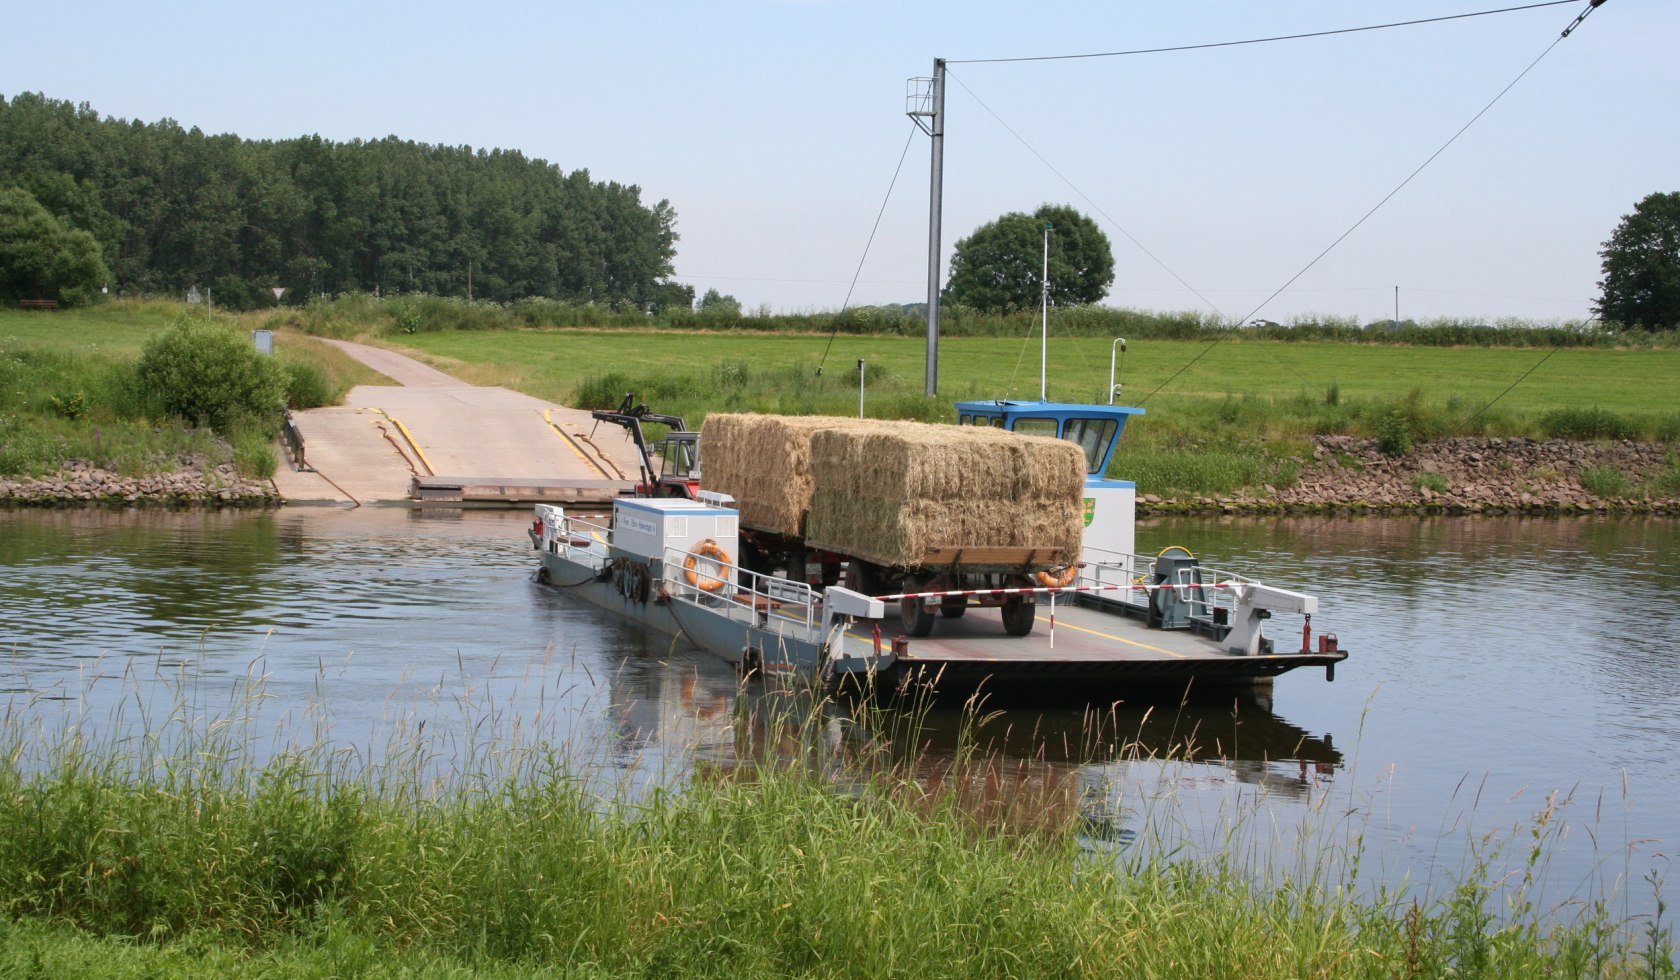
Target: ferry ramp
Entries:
(431, 434)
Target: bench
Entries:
(38, 304)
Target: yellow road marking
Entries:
(430, 471)
(548, 416)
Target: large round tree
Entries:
(1000, 266)
(1641, 284)
(41, 257)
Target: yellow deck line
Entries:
(1070, 626)
(1121, 639)
(548, 416)
(430, 471)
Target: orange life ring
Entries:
(1052, 579)
(708, 549)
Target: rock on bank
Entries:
(194, 482)
(1467, 475)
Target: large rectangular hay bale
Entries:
(894, 492)
(764, 462)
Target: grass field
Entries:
(68, 391)
(553, 364)
(1228, 416)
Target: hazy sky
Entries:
(774, 127)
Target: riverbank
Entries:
(1343, 474)
(195, 481)
(1482, 475)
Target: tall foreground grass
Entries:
(186, 849)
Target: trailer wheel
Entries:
(861, 577)
(914, 613)
(752, 560)
(953, 606)
(1018, 616)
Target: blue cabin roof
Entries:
(1096, 428)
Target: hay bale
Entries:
(764, 462)
(893, 492)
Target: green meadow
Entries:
(1228, 412)
(554, 363)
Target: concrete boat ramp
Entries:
(429, 439)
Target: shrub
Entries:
(73, 406)
(1587, 423)
(211, 375)
(307, 386)
(1394, 434)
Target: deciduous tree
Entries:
(1000, 266)
(1641, 284)
(43, 258)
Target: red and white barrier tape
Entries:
(1130, 587)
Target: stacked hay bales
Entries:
(764, 462)
(891, 492)
(894, 491)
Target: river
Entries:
(1505, 674)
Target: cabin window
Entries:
(1094, 436)
(681, 458)
(1036, 427)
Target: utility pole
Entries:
(926, 101)
(1044, 329)
(1397, 307)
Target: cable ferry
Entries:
(1099, 625)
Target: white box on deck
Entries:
(1110, 520)
(645, 527)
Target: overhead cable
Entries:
(847, 301)
(1279, 37)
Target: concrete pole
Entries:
(936, 130)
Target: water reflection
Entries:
(1511, 655)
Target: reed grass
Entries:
(197, 844)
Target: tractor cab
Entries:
(677, 473)
(679, 464)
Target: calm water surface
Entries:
(1496, 663)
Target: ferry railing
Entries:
(766, 602)
(1204, 588)
(574, 538)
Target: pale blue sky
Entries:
(774, 128)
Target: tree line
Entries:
(173, 208)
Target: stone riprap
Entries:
(194, 482)
(1342, 474)
(1452, 476)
